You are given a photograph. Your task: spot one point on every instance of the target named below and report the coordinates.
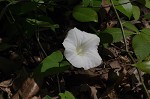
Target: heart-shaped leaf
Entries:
(52, 64)
(51, 61)
(85, 14)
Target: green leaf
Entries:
(113, 35)
(97, 4)
(85, 14)
(42, 23)
(143, 66)
(146, 31)
(136, 12)
(124, 9)
(47, 97)
(147, 3)
(51, 61)
(66, 95)
(39, 23)
(64, 63)
(52, 64)
(141, 45)
(127, 7)
(86, 2)
(38, 1)
(105, 37)
(130, 26)
(147, 58)
(147, 16)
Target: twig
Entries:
(126, 48)
(38, 40)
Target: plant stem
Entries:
(38, 40)
(126, 48)
(58, 83)
(121, 26)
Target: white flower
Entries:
(81, 49)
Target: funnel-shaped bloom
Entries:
(81, 49)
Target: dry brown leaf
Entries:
(113, 95)
(6, 83)
(93, 92)
(28, 89)
(56, 97)
(111, 24)
(5, 86)
(115, 65)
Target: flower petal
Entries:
(91, 59)
(88, 43)
(74, 36)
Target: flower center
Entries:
(79, 50)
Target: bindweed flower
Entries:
(81, 49)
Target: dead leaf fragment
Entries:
(28, 90)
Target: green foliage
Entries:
(139, 43)
(143, 66)
(94, 4)
(85, 14)
(123, 7)
(86, 3)
(130, 26)
(38, 1)
(22, 19)
(127, 7)
(47, 97)
(42, 23)
(147, 16)
(111, 35)
(52, 64)
(136, 12)
(51, 61)
(66, 95)
(147, 4)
